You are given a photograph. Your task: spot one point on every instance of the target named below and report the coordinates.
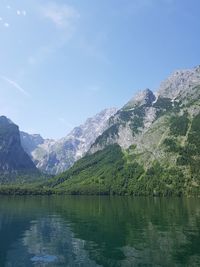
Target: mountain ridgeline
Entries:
(28, 158)
(151, 147)
(15, 164)
(54, 157)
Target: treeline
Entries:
(112, 171)
(21, 190)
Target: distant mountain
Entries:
(30, 141)
(15, 164)
(54, 157)
(151, 146)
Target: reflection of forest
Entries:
(105, 231)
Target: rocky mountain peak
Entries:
(92, 124)
(150, 148)
(5, 121)
(56, 156)
(13, 158)
(197, 68)
(145, 97)
(180, 83)
(9, 132)
(30, 141)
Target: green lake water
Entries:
(99, 231)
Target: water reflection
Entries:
(89, 231)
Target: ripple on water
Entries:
(44, 258)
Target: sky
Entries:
(62, 61)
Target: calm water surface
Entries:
(93, 231)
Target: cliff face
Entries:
(54, 157)
(130, 124)
(151, 146)
(30, 141)
(13, 159)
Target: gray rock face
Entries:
(180, 83)
(30, 141)
(125, 126)
(13, 158)
(54, 157)
(159, 141)
(129, 124)
(145, 97)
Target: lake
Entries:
(99, 231)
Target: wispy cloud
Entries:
(15, 85)
(63, 16)
(6, 24)
(21, 12)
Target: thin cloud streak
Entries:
(63, 16)
(15, 85)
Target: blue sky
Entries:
(65, 60)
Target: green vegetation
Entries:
(179, 125)
(140, 111)
(112, 171)
(194, 135)
(136, 123)
(192, 151)
(109, 133)
(30, 189)
(171, 145)
(126, 115)
(161, 181)
(22, 177)
(163, 105)
(134, 117)
(107, 172)
(169, 166)
(94, 174)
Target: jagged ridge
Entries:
(54, 157)
(14, 161)
(158, 136)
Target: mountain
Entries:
(54, 157)
(15, 164)
(151, 146)
(30, 141)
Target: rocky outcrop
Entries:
(30, 141)
(126, 125)
(131, 122)
(54, 157)
(13, 159)
(180, 83)
(151, 148)
(145, 97)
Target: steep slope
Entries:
(30, 141)
(129, 122)
(55, 157)
(14, 161)
(157, 138)
(180, 84)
